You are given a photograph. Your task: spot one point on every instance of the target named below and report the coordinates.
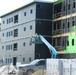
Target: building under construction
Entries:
(64, 28)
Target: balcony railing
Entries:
(58, 31)
(58, 48)
(57, 15)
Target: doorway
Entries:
(14, 60)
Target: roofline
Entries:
(21, 8)
(17, 9)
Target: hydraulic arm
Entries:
(51, 48)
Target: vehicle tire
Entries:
(29, 72)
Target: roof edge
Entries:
(22, 7)
(17, 9)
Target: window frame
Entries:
(72, 42)
(30, 27)
(31, 11)
(15, 32)
(16, 18)
(15, 46)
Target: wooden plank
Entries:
(60, 52)
(65, 34)
(64, 17)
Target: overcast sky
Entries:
(9, 5)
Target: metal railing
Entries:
(57, 15)
(58, 31)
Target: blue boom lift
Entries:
(38, 39)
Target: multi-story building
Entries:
(16, 28)
(64, 28)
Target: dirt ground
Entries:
(40, 72)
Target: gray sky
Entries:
(9, 5)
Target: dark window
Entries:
(38, 6)
(11, 46)
(63, 25)
(72, 41)
(2, 47)
(23, 59)
(54, 41)
(30, 44)
(8, 61)
(68, 6)
(24, 28)
(15, 18)
(63, 43)
(11, 33)
(15, 32)
(24, 44)
(7, 34)
(64, 8)
(11, 19)
(3, 22)
(24, 13)
(30, 27)
(67, 43)
(68, 24)
(58, 25)
(3, 34)
(72, 23)
(7, 21)
(15, 46)
(30, 59)
(6, 47)
(31, 11)
(73, 4)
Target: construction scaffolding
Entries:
(64, 26)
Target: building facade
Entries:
(16, 28)
(64, 28)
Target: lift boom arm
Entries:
(51, 48)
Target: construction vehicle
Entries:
(38, 39)
(29, 69)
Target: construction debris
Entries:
(8, 70)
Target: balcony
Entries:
(58, 48)
(57, 15)
(57, 32)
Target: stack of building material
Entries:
(8, 69)
(61, 66)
